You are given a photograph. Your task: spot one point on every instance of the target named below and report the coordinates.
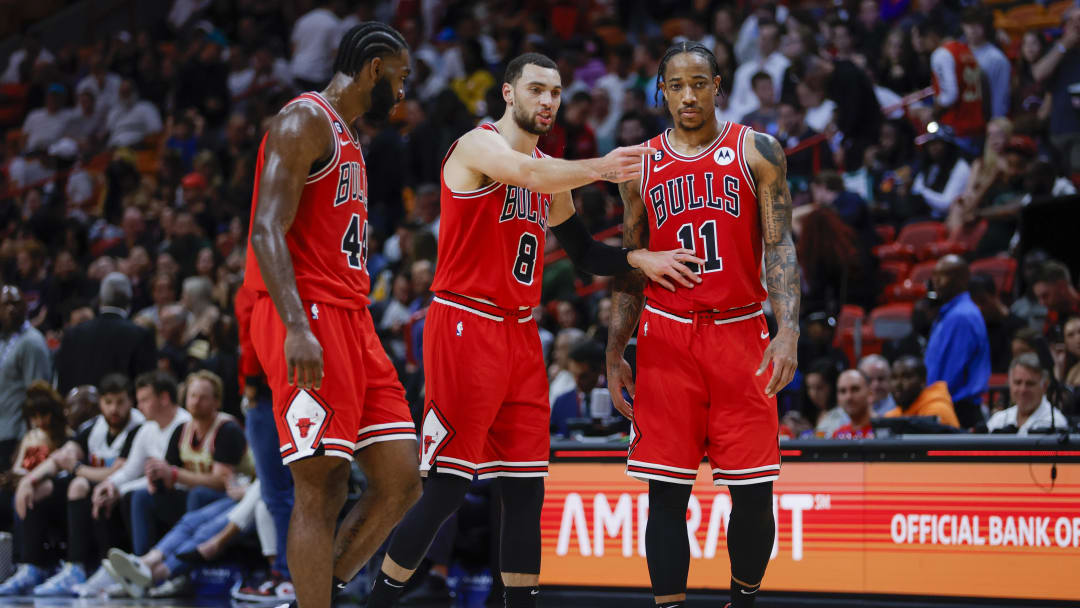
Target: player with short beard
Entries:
(335, 392)
(487, 412)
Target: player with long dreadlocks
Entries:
(720, 190)
(335, 392)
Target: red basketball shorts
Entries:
(361, 401)
(487, 411)
(697, 395)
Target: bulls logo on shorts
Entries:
(434, 435)
(306, 419)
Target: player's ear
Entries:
(508, 92)
(717, 82)
(375, 68)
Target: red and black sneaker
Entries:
(277, 587)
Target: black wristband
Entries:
(587, 253)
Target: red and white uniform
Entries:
(361, 400)
(850, 432)
(487, 410)
(958, 86)
(698, 349)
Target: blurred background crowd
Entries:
(933, 155)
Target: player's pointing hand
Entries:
(660, 266)
(623, 164)
(304, 357)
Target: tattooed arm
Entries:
(769, 166)
(628, 298)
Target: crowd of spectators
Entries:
(125, 191)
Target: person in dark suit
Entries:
(107, 344)
(586, 363)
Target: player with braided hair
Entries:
(720, 190)
(336, 395)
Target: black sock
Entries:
(743, 596)
(385, 592)
(521, 597)
(336, 586)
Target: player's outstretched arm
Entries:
(486, 153)
(297, 140)
(627, 300)
(595, 257)
(769, 166)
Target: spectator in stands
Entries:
(819, 407)
(173, 348)
(560, 378)
(1031, 101)
(1027, 306)
(959, 350)
(1001, 324)
(944, 174)
(958, 93)
(765, 117)
(878, 375)
(1054, 290)
(1059, 71)
(1031, 411)
(162, 293)
(793, 130)
(1070, 372)
(586, 366)
(769, 60)
(43, 410)
(58, 489)
(836, 265)
(155, 394)
(102, 85)
(131, 120)
(24, 359)
(988, 176)
(853, 396)
(315, 37)
(898, 69)
(978, 26)
(915, 398)
(891, 168)
(82, 360)
(47, 124)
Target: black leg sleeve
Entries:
(519, 546)
(666, 545)
(41, 534)
(83, 532)
(443, 494)
(750, 539)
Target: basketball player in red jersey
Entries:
(720, 189)
(487, 412)
(335, 392)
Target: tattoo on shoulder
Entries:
(769, 149)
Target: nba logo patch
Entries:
(724, 156)
(658, 156)
(460, 327)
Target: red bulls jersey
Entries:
(328, 237)
(965, 115)
(706, 203)
(491, 242)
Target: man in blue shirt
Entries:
(959, 349)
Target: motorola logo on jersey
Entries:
(351, 184)
(679, 194)
(724, 156)
(523, 204)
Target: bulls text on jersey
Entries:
(351, 186)
(681, 193)
(521, 204)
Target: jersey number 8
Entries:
(525, 262)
